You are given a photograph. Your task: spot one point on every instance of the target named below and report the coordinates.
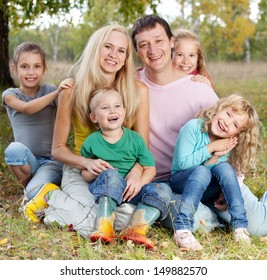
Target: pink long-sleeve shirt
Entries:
(171, 106)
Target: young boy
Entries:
(118, 150)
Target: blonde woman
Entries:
(107, 61)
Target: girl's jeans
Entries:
(43, 169)
(201, 183)
(111, 183)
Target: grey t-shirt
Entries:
(35, 131)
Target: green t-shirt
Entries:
(123, 154)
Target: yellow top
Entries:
(80, 133)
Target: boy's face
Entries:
(154, 48)
(109, 112)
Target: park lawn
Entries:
(22, 240)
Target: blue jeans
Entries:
(43, 169)
(201, 183)
(256, 210)
(110, 183)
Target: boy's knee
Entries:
(110, 172)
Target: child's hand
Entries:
(65, 84)
(202, 79)
(222, 146)
(220, 203)
(131, 190)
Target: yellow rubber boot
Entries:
(143, 217)
(37, 204)
(105, 231)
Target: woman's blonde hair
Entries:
(89, 76)
(180, 34)
(243, 156)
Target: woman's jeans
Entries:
(203, 184)
(110, 183)
(43, 169)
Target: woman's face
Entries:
(113, 53)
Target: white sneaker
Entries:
(186, 241)
(241, 235)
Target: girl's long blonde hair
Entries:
(89, 76)
(243, 156)
(180, 34)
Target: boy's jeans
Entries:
(111, 183)
(201, 183)
(43, 169)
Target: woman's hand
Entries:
(96, 166)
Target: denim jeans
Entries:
(43, 169)
(111, 183)
(256, 210)
(202, 184)
(224, 179)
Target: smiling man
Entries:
(174, 97)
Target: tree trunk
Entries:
(247, 50)
(5, 78)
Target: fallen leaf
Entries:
(264, 239)
(176, 258)
(165, 244)
(130, 244)
(3, 241)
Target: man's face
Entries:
(154, 48)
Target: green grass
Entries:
(21, 240)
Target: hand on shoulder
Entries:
(66, 84)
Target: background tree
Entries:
(259, 41)
(223, 25)
(20, 13)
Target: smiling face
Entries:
(113, 53)
(154, 48)
(107, 110)
(227, 123)
(185, 55)
(29, 69)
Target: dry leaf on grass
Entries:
(3, 241)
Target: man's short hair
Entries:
(149, 22)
